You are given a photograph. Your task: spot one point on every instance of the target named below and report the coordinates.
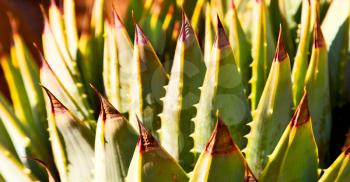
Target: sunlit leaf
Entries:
(222, 90)
(151, 162)
(182, 93)
(273, 112)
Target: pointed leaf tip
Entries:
(220, 141)
(140, 37)
(13, 23)
(186, 29)
(281, 52)
(146, 141)
(302, 113)
(233, 6)
(319, 41)
(107, 109)
(56, 105)
(347, 151)
(116, 18)
(221, 37)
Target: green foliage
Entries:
(187, 122)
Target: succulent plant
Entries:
(209, 102)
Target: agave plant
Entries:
(209, 102)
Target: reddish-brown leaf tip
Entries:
(108, 111)
(302, 113)
(347, 151)
(140, 37)
(281, 52)
(233, 6)
(186, 28)
(118, 23)
(221, 37)
(43, 63)
(44, 165)
(319, 41)
(220, 142)
(13, 23)
(56, 105)
(146, 141)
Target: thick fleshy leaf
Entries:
(182, 93)
(148, 79)
(66, 68)
(295, 156)
(76, 139)
(273, 112)
(262, 52)
(221, 160)
(29, 71)
(241, 48)
(52, 82)
(151, 162)
(209, 35)
(337, 171)
(115, 142)
(5, 140)
(124, 55)
(24, 140)
(317, 87)
(58, 30)
(70, 25)
(20, 99)
(222, 90)
(90, 52)
(335, 27)
(12, 170)
(111, 79)
(302, 56)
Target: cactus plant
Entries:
(195, 97)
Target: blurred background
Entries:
(30, 23)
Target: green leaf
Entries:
(148, 78)
(5, 140)
(151, 162)
(333, 171)
(62, 65)
(12, 170)
(70, 26)
(318, 91)
(114, 143)
(302, 55)
(24, 140)
(241, 48)
(295, 157)
(52, 82)
(111, 79)
(221, 160)
(182, 93)
(76, 139)
(91, 52)
(335, 27)
(28, 70)
(273, 112)
(262, 51)
(209, 35)
(121, 71)
(16, 86)
(222, 90)
(55, 18)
